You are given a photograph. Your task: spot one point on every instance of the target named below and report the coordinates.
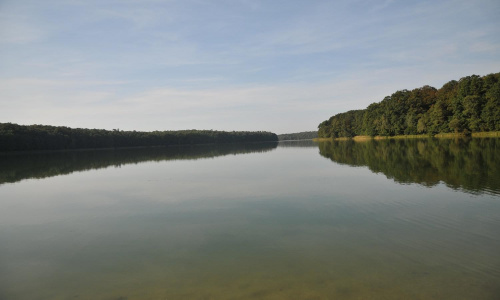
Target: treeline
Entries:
(306, 135)
(470, 164)
(18, 166)
(471, 104)
(15, 137)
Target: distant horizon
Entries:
(280, 66)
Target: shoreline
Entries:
(359, 138)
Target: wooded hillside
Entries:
(471, 104)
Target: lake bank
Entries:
(413, 136)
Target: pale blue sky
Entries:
(281, 66)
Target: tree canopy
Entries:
(14, 137)
(471, 104)
(306, 135)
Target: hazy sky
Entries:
(281, 66)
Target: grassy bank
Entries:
(474, 134)
(486, 134)
(414, 136)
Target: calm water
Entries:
(414, 219)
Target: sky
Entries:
(272, 65)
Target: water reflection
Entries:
(286, 224)
(469, 164)
(17, 167)
(298, 144)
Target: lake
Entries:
(388, 219)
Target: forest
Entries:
(471, 104)
(14, 137)
(306, 135)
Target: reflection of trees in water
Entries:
(471, 164)
(298, 144)
(16, 167)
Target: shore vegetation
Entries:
(14, 137)
(466, 107)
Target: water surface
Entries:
(377, 220)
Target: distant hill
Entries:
(306, 135)
(471, 104)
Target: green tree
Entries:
(473, 105)
(491, 110)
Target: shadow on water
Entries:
(469, 164)
(17, 167)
